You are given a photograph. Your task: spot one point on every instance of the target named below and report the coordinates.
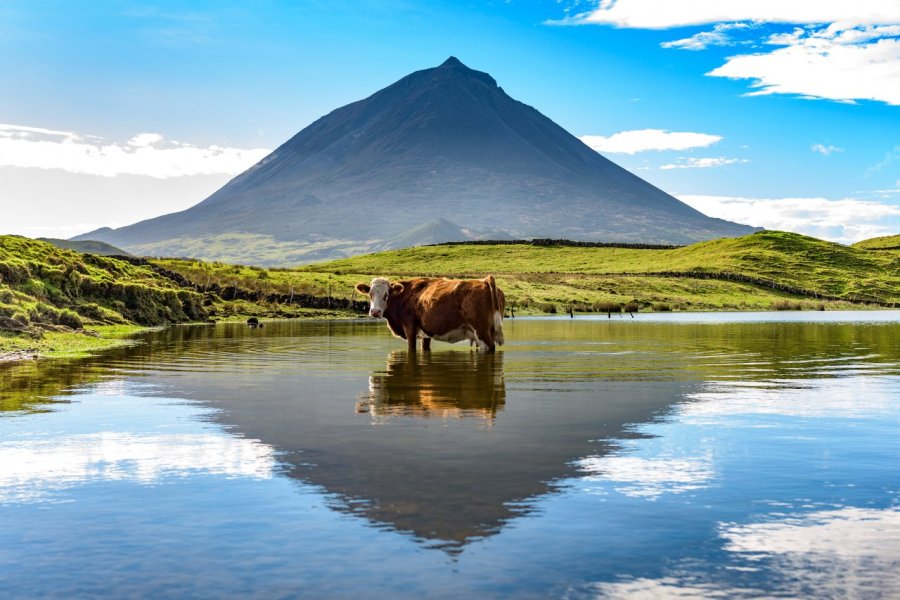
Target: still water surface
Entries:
(682, 456)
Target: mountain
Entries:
(442, 150)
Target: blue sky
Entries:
(780, 116)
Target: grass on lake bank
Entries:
(65, 344)
(48, 295)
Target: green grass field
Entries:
(47, 293)
(757, 272)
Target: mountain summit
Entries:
(442, 146)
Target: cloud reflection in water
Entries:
(649, 478)
(96, 440)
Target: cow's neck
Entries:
(393, 314)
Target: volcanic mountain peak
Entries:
(441, 143)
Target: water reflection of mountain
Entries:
(442, 450)
(451, 445)
(444, 385)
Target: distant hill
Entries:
(887, 242)
(775, 259)
(441, 154)
(86, 246)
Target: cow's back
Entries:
(446, 305)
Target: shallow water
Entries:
(715, 455)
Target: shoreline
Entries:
(76, 344)
(70, 344)
(18, 355)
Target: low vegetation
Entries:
(754, 272)
(887, 242)
(47, 292)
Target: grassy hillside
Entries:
(756, 272)
(47, 292)
(48, 289)
(887, 242)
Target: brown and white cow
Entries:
(447, 310)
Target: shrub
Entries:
(787, 305)
(70, 319)
(662, 307)
(609, 307)
(14, 273)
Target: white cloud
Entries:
(846, 221)
(835, 63)
(825, 150)
(704, 39)
(147, 154)
(665, 14)
(144, 140)
(57, 203)
(703, 163)
(845, 51)
(641, 140)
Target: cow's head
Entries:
(379, 292)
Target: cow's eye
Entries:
(385, 297)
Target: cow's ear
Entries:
(396, 288)
(362, 288)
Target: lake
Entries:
(731, 455)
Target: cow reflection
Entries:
(442, 385)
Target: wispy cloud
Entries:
(666, 14)
(148, 154)
(642, 140)
(892, 155)
(174, 27)
(825, 150)
(845, 221)
(703, 163)
(705, 39)
(842, 51)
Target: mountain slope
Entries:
(86, 246)
(442, 143)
